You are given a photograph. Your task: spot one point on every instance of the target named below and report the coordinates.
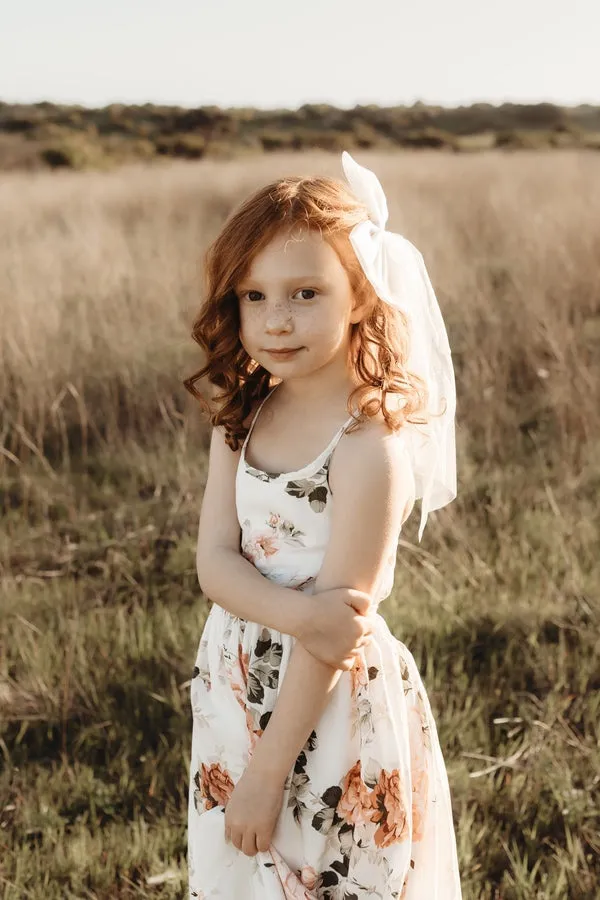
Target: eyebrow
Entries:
(287, 281)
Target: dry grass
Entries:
(101, 477)
(99, 283)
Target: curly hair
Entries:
(379, 343)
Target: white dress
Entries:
(366, 810)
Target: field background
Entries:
(102, 467)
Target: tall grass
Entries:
(99, 280)
(103, 463)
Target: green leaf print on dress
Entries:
(314, 488)
(265, 671)
(258, 473)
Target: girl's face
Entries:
(297, 297)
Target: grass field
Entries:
(101, 474)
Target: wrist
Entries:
(303, 616)
(266, 762)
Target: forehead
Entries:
(296, 251)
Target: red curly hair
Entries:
(379, 343)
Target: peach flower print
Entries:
(419, 804)
(216, 785)
(293, 889)
(240, 692)
(241, 696)
(359, 674)
(260, 547)
(309, 877)
(355, 805)
(244, 660)
(419, 773)
(389, 809)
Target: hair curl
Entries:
(379, 343)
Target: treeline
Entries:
(52, 135)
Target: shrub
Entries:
(183, 146)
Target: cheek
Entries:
(328, 328)
(249, 320)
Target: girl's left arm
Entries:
(372, 495)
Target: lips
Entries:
(283, 354)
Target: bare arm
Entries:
(232, 582)
(373, 494)
(225, 576)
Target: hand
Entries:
(252, 811)
(337, 625)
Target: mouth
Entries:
(283, 354)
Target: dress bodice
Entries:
(285, 518)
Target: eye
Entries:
(255, 296)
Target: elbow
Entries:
(203, 571)
(201, 580)
(209, 562)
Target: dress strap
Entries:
(324, 453)
(337, 437)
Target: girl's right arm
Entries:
(231, 581)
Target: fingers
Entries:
(263, 843)
(249, 843)
(361, 605)
(245, 841)
(348, 661)
(361, 630)
(361, 602)
(363, 634)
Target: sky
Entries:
(284, 53)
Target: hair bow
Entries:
(398, 274)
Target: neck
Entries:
(327, 386)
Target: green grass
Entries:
(101, 615)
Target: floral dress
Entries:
(366, 808)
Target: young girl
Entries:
(316, 769)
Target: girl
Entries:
(316, 770)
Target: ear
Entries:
(360, 307)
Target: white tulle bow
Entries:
(397, 271)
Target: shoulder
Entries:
(373, 463)
(218, 434)
(372, 496)
(373, 445)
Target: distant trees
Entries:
(52, 135)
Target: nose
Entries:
(279, 320)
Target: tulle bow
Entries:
(397, 271)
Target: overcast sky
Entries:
(281, 53)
